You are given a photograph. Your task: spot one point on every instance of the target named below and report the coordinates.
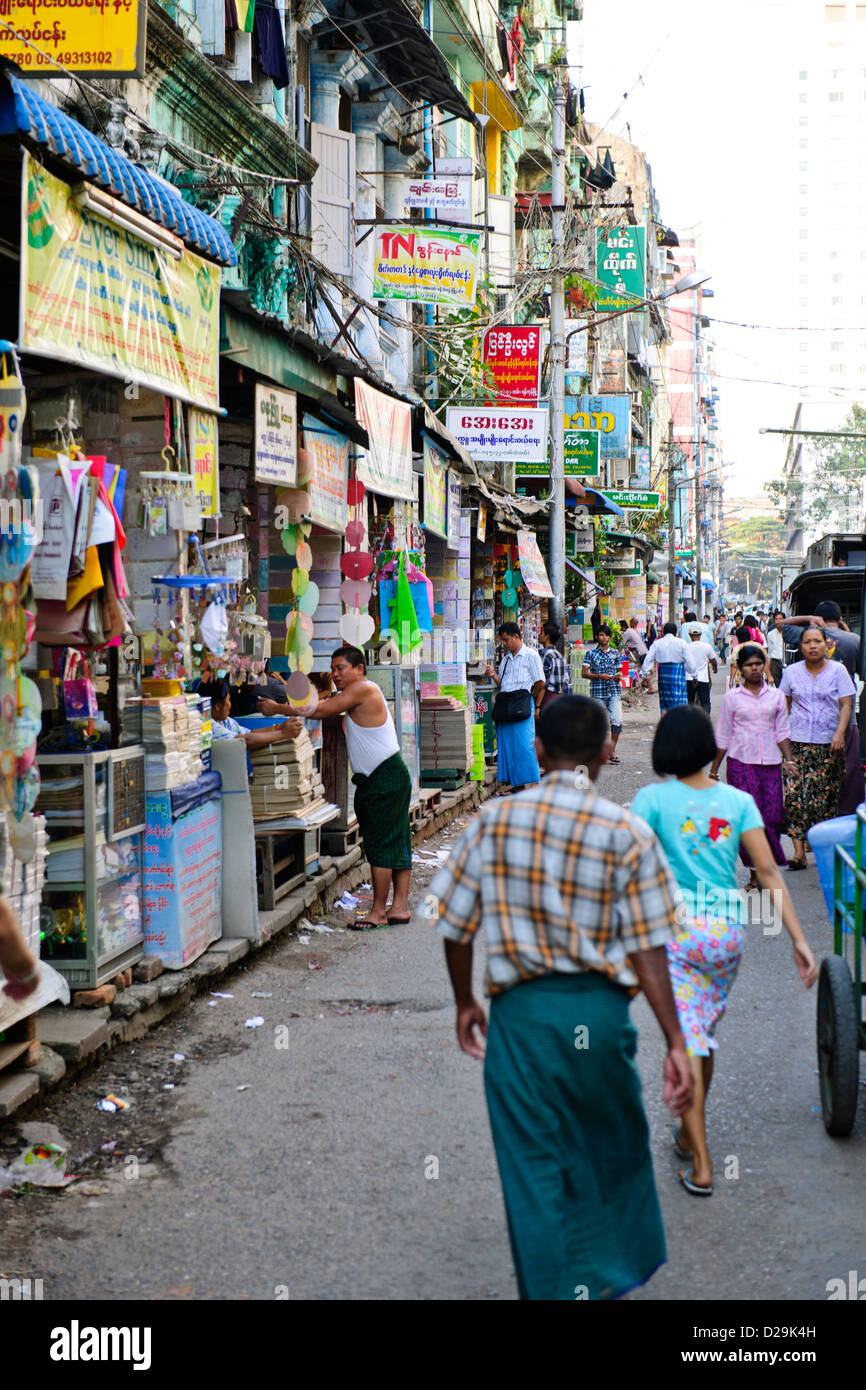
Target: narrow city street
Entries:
(341, 1149)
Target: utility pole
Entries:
(557, 358)
(672, 502)
(699, 444)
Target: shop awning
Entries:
(331, 411)
(596, 588)
(425, 422)
(24, 112)
(404, 51)
(597, 504)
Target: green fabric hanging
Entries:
(404, 619)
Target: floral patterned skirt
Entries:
(703, 962)
(813, 788)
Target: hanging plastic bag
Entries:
(404, 620)
(214, 628)
(79, 692)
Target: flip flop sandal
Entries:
(615, 761)
(398, 921)
(361, 924)
(694, 1188)
(795, 864)
(684, 1154)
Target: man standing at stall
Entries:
(383, 784)
(520, 672)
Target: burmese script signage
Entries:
(104, 37)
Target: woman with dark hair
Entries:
(701, 824)
(224, 726)
(754, 732)
(820, 696)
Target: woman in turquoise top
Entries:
(701, 824)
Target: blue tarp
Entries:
(23, 111)
(194, 794)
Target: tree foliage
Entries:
(831, 491)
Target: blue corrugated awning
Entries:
(23, 111)
(685, 574)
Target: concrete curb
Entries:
(73, 1039)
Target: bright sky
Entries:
(711, 104)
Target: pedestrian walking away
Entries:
(601, 667)
(520, 671)
(701, 824)
(673, 658)
(554, 665)
(754, 731)
(820, 696)
(704, 656)
(383, 785)
(776, 646)
(577, 904)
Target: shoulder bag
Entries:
(511, 706)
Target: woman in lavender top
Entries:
(820, 696)
(753, 730)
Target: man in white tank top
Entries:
(383, 784)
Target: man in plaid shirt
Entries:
(601, 666)
(577, 903)
(554, 664)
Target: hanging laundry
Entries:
(271, 44)
(246, 15)
(571, 108)
(231, 15)
(516, 36)
(504, 54)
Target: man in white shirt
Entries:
(704, 657)
(520, 669)
(692, 623)
(674, 660)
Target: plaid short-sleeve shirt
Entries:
(555, 671)
(599, 662)
(562, 881)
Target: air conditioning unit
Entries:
(621, 469)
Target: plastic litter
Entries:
(40, 1165)
(242, 1088)
(217, 995)
(111, 1103)
(261, 994)
(348, 902)
(305, 925)
(254, 1022)
(169, 1086)
(108, 1147)
(179, 1057)
(314, 965)
(211, 1003)
(304, 940)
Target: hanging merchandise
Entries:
(214, 627)
(79, 692)
(404, 621)
(356, 625)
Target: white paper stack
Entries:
(23, 883)
(172, 742)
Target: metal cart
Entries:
(841, 1032)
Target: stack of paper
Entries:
(172, 740)
(446, 735)
(285, 781)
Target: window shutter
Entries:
(501, 240)
(333, 198)
(211, 20)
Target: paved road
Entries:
(297, 1159)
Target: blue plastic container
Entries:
(823, 840)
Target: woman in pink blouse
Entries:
(753, 730)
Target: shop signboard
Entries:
(325, 474)
(493, 434)
(620, 562)
(620, 267)
(532, 566)
(445, 194)
(275, 430)
(435, 474)
(204, 457)
(580, 542)
(641, 465)
(386, 467)
(512, 356)
(610, 415)
(105, 38)
(582, 457)
(632, 500)
(576, 350)
(103, 299)
(425, 266)
(454, 499)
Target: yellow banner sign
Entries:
(99, 36)
(426, 267)
(94, 293)
(203, 446)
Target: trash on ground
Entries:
(211, 1003)
(254, 1022)
(262, 994)
(304, 940)
(179, 1057)
(108, 1147)
(169, 1086)
(305, 925)
(348, 902)
(112, 1103)
(242, 1088)
(314, 965)
(217, 995)
(40, 1165)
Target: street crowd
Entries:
(585, 902)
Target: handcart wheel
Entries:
(838, 1046)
